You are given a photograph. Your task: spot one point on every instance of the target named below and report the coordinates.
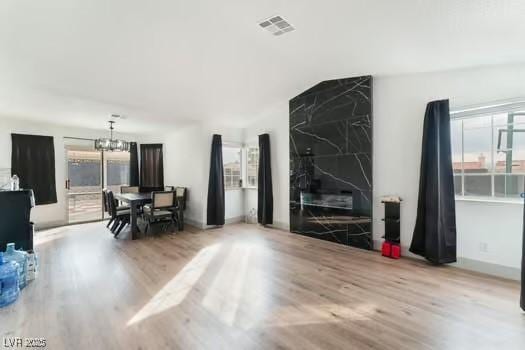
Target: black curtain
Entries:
(133, 164)
(264, 178)
(522, 303)
(151, 166)
(215, 210)
(435, 231)
(33, 161)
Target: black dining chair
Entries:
(120, 218)
(106, 207)
(181, 194)
(160, 209)
(105, 202)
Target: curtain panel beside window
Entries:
(435, 231)
(33, 161)
(151, 166)
(264, 188)
(134, 179)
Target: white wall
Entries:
(275, 122)
(51, 214)
(187, 155)
(399, 106)
(497, 224)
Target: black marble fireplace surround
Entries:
(331, 162)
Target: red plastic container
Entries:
(395, 251)
(386, 249)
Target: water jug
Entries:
(32, 265)
(15, 183)
(9, 289)
(20, 257)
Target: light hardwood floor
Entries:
(247, 287)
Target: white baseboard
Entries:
(49, 224)
(512, 273)
(508, 272)
(195, 223)
(234, 220)
(281, 225)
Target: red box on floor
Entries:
(386, 249)
(395, 251)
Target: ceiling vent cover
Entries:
(276, 25)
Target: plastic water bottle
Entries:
(15, 183)
(20, 257)
(32, 266)
(9, 289)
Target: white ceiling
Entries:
(170, 61)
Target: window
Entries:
(117, 170)
(241, 165)
(488, 154)
(252, 166)
(232, 167)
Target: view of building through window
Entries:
(252, 166)
(488, 155)
(231, 157)
(241, 166)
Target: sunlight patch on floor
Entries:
(176, 290)
(224, 296)
(300, 315)
(42, 237)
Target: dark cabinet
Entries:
(15, 219)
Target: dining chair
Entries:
(149, 189)
(160, 209)
(169, 188)
(129, 189)
(120, 218)
(181, 194)
(106, 206)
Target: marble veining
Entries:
(331, 161)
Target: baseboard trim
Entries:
(49, 225)
(508, 272)
(283, 226)
(234, 220)
(195, 223)
(487, 268)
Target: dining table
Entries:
(135, 201)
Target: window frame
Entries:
(239, 146)
(244, 148)
(487, 110)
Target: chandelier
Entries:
(105, 144)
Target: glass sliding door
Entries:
(116, 171)
(87, 172)
(83, 184)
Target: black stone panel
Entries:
(331, 162)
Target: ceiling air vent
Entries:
(276, 25)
